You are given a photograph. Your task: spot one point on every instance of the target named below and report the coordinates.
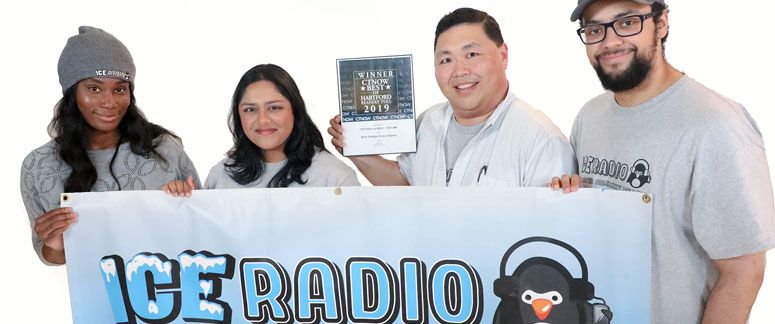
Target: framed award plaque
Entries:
(376, 103)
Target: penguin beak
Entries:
(542, 307)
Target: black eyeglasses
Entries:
(623, 27)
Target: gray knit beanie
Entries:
(94, 53)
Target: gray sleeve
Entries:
(574, 133)
(210, 181)
(173, 148)
(731, 193)
(351, 180)
(342, 175)
(186, 168)
(329, 171)
(32, 203)
(344, 179)
(215, 175)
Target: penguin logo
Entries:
(640, 174)
(542, 291)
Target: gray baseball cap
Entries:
(94, 53)
(584, 3)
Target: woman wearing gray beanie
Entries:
(100, 141)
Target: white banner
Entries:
(360, 255)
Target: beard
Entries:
(633, 75)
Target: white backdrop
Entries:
(190, 55)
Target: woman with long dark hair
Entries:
(100, 141)
(276, 144)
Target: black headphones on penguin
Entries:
(637, 181)
(581, 289)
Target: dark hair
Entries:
(470, 16)
(659, 9)
(71, 133)
(305, 139)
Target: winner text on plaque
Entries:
(376, 102)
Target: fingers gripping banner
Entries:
(360, 255)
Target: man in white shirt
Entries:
(483, 135)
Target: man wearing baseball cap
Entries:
(699, 154)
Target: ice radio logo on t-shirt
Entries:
(637, 175)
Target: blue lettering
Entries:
(265, 291)
(112, 268)
(151, 279)
(318, 291)
(413, 292)
(372, 298)
(455, 292)
(150, 288)
(201, 275)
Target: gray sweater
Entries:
(325, 171)
(43, 175)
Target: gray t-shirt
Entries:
(325, 171)
(457, 138)
(43, 175)
(701, 157)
